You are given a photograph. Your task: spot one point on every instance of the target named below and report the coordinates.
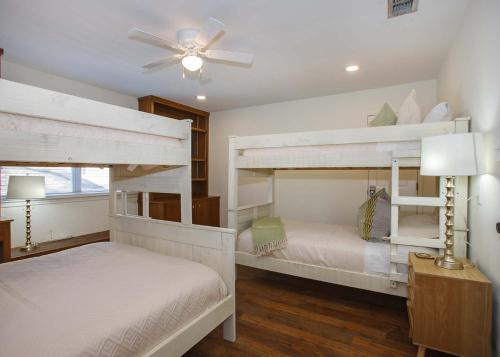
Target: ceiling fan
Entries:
(192, 46)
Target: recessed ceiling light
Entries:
(352, 68)
(201, 97)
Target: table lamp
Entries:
(450, 155)
(26, 188)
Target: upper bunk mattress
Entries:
(103, 299)
(339, 246)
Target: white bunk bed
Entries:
(392, 147)
(145, 153)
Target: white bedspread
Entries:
(336, 246)
(104, 299)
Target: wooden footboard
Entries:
(210, 246)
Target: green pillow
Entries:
(374, 217)
(385, 116)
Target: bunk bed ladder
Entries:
(397, 240)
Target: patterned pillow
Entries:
(374, 216)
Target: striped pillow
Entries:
(374, 216)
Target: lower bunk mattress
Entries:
(339, 246)
(103, 299)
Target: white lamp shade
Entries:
(452, 155)
(26, 187)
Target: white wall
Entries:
(19, 73)
(470, 81)
(56, 218)
(61, 217)
(324, 196)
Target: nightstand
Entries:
(5, 239)
(449, 310)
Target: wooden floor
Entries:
(279, 315)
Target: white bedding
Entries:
(337, 246)
(340, 150)
(104, 299)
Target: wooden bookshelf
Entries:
(199, 161)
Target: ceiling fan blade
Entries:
(146, 37)
(210, 30)
(229, 56)
(162, 62)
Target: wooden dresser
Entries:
(206, 209)
(5, 239)
(449, 310)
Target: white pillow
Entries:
(440, 112)
(409, 112)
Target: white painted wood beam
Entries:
(411, 132)
(17, 98)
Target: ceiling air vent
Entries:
(401, 7)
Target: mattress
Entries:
(339, 246)
(339, 150)
(103, 299)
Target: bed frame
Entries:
(240, 217)
(145, 153)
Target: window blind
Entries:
(61, 180)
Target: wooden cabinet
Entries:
(449, 310)
(168, 209)
(167, 206)
(206, 210)
(5, 240)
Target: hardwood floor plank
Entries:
(280, 315)
(332, 319)
(333, 301)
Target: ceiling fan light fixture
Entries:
(192, 63)
(201, 97)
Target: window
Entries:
(61, 180)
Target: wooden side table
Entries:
(5, 239)
(58, 245)
(449, 310)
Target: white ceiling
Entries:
(301, 47)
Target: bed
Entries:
(137, 301)
(339, 246)
(393, 148)
(361, 155)
(150, 314)
(359, 147)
